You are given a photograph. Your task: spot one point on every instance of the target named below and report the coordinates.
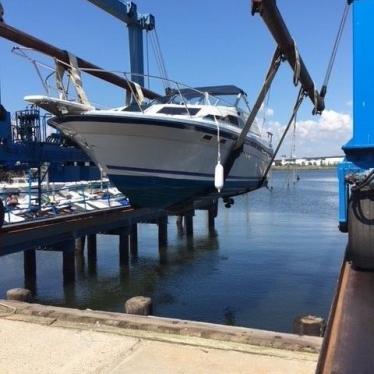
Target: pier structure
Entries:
(71, 234)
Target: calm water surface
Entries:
(274, 255)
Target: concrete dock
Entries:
(46, 339)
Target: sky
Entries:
(204, 43)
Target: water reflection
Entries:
(272, 256)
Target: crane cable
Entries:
(299, 101)
(335, 49)
(155, 41)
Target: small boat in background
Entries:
(72, 198)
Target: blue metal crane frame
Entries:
(136, 23)
(67, 163)
(359, 150)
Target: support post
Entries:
(139, 305)
(79, 244)
(124, 247)
(134, 240)
(188, 221)
(309, 325)
(68, 262)
(91, 253)
(19, 294)
(29, 267)
(162, 232)
(212, 214)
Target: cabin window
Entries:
(228, 119)
(178, 110)
(232, 119)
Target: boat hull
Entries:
(163, 163)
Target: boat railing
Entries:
(59, 80)
(53, 83)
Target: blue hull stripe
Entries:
(172, 172)
(163, 123)
(156, 192)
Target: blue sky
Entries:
(203, 42)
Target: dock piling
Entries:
(91, 253)
(162, 231)
(29, 268)
(139, 305)
(79, 244)
(134, 240)
(19, 294)
(188, 221)
(309, 325)
(212, 214)
(123, 247)
(68, 262)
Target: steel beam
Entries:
(20, 37)
(361, 148)
(348, 344)
(273, 19)
(136, 23)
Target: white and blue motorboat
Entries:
(163, 154)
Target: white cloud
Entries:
(320, 136)
(269, 112)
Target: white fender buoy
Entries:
(219, 176)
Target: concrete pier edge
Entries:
(163, 329)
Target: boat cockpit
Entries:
(225, 104)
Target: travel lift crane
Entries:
(356, 172)
(136, 24)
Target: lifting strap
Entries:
(60, 71)
(299, 101)
(236, 149)
(75, 76)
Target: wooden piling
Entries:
(29, 269)
(139, 305)
(92, 246)
(179, 220)
(309, 325)
(134, 240)
(91, 253)
(162, 232)
(68, 262)
(123, 247)
(19, 294)
(79, 244)
(212, 214)
(188, 220)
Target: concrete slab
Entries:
(45, 339)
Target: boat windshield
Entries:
(198, 98)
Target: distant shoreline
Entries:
(305, 167)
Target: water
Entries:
(274, 256)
